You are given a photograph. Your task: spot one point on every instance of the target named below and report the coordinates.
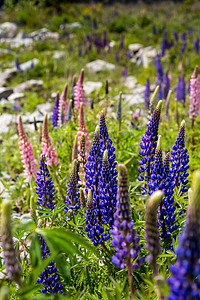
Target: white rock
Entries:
(73, 25)
(91, 86)
(135, 47)
(5, 121)
(130, 82)
(37, 116)
(25, 217)
(28, 64)
(28, 85)
(6, 75)
(15, 96)
(20, 42)
(58, 54)
(53, 95)
(99, 65)
(5, 92)
(44, 108)
(9, 28)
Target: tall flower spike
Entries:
(147, 94)
(47, 147)
(73, 194)
(72, 90)
(82, 198)
(82, 129)
(12, 266)
(184, 281)
(166, 85)
(79, 95)
(124, 240)
(167, 104)
(26, 151)
(119, 108)
(75, 149)
(148, 145)
(180, 160)
(93, 227)
(181, 89)
(69, 112)
(63, 106)
(107, 190)
(151, 230)
(44, 186)
(82, 157)
(55, 111)
(194, 95)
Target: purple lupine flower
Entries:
(129, 55)
(160, 180)
(196, 46)
(194, 95)
(159, 68)
(79, 52)
(93, 170)
(17, 64)
(95, 25)
(151, 230)
(175, 36)
(9, 255)
(124, 72)
(160, 90)
(93, 227)
(117, 58)
(147, 94)
(125, 240)
(45, 190)
(49, 276)
(121, 45)
(180, 89)
(148, 145)
(69, 112)
(104, 39)
(179, 162)
(184, 279)
(166, 85)
(184, 42)
(44, 186)
(154, 30)
(107, 189)
(73, 194)
(164, 45)
(55, 111)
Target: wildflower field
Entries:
(99, 150)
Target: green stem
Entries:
(58, 182)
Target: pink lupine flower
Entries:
(82, 159)
(63, 107)
(79, 96)
(26, 151)
(82, 129)
(194, 95)
(47, 147)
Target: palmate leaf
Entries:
(63, 241)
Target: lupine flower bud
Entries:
(194, 95)
(69, 112)
(44, 186)
(82, 129)
(119, 108)
(47, 147)
(63, 106)
(184, 280)
(4, 293)
(26, 151)
(82, 198)
(148, 145)
(79, 96)
(75, 149)
(55, 111)
(73, 194)
(82, 156)
(12, 266)
(151, 229)
(124, 240)
(153, 100)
